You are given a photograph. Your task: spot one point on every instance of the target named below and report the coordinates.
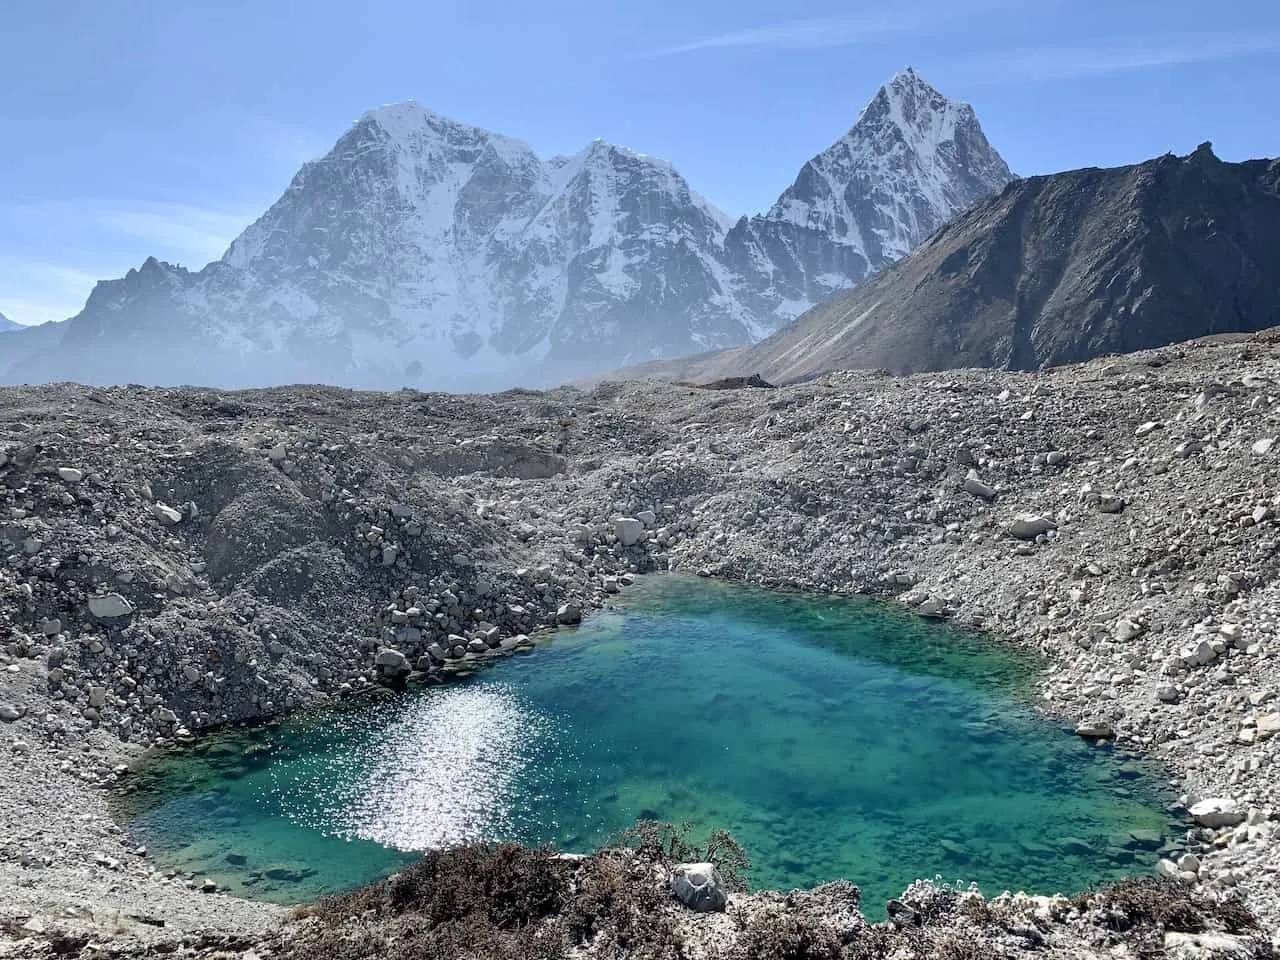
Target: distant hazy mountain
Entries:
(1053, 270)
(421, 251)
(7, 325)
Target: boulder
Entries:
(1262, 447)
(109, 606)
(699, 887)
(932, 607)
(166, 514)
(9, 713)
(1268, 726)
(1217, 812)
(1200, 655)
(1126, 630)
(628, 530)
(1095, 730)
(392, 661)
(70, 474)
(1028, 526)
(569, 613)
(973, 484)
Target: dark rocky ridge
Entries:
(1055, 269)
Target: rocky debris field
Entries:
(176, 559)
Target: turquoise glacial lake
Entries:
(834, 738)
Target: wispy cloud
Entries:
(192, 233)
(795, 34)
(36, 291)
(1117, 56)
(54, 253)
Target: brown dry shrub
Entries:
(777, 935)
(873, 943)
(1144, 903)
(661, 842)
(508, 884)
(618, 905)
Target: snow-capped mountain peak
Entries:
(427, 251)
(913, 159)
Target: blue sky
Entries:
(137, 127)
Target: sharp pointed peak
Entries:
(908, 81)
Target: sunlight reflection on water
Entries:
(444, 771)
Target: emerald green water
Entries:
(834, 738)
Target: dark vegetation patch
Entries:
(737, 383)
(509, 902)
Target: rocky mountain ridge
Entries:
(423, 251)
(1054, 269)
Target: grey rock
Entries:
(699, 887)
(392, 661)
(166, 514)
(628, 530)
(1095, 730)
(1217, 812)
(973, 484)
(9, 712)
(110, 606)
(1028, 526)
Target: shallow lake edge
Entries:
(452, 671)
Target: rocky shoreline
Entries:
(177, 559)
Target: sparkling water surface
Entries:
(834, 738)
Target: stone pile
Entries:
(179, 559)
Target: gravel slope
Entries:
(178, 558)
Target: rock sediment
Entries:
(326, 542)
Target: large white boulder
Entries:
(1217, 812)
(166, 514)
(628, 530)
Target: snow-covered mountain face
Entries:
(912, 161)
(7, 325)
(430, 253)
